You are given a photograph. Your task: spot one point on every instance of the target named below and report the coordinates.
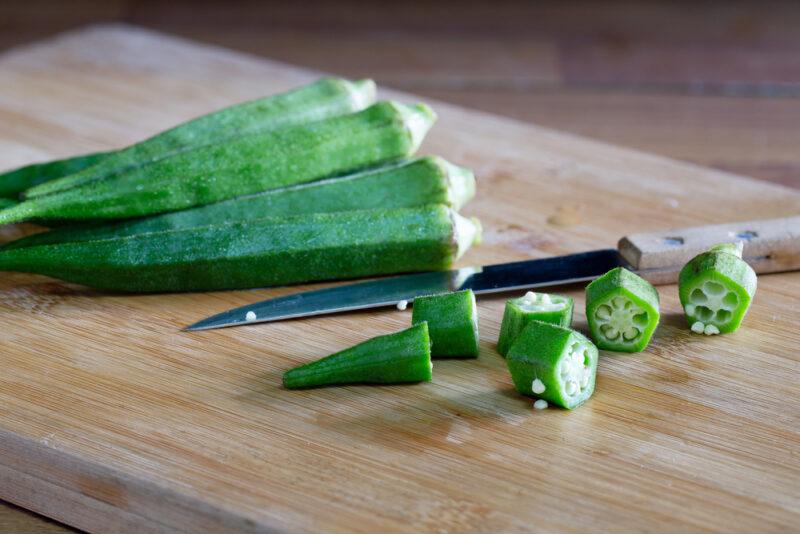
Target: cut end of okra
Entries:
(362, 92)
(460, 181)
(467, 232)
(622, 310)
(553, 363)
(716, 289)
(453, 323)
(519, 312)
(418, 119)
(404, 356)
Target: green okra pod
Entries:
(716, 289)
(260, 252)
(555, 309)
(391, 359)
(7, 202)
(553, 363)
(243, 165)
(427, 180)
(622, 310)
(14, 182)
(453, 323)
(325, 98)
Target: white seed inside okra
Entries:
(538, 387)
(540, 404)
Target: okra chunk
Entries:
(716, 289)
(554, 309)
(622, 311)
(394, 358)
(453, 323)
(553, 363)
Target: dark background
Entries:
(712, 82)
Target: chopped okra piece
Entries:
(400, 357)
(553, 363)
(453, 323)
(519, 312)
(622, 311)
(716, 288)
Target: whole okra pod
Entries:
(259, 252)
(391, 359)
(427, 180)
(324, 98)
(243, 165)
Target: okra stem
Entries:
(325, 98)
(391, 359)
(260, 252)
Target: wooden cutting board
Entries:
(112, 419)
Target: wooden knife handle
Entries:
(770, 246)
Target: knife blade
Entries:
(769, 246)
(526, 274)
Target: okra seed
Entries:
(585, 377)
(710, 330)
(572, 387)
(538, 387)
(703, 313)
(402, 305)
(722, 316)
(540, 404)
(250, 316)
(630, 333)
(609, 331)
(640, 319)
(618, 302)
(697, 327)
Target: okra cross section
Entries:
(395, 358)
(453, 322)
(622, 310)
(553, 363)
(555, 309)
(716, 289)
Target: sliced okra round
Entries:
(622, 310)
(452, 321)
(716, 289)
(553, 363)
(555, 309)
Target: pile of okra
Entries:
(546, 357)
(317, 183)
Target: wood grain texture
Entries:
(111, 418)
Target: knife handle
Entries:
(771, 245)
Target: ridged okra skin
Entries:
(391, 359)
(622, 310)
(7, 202)
(257, 253)
(243, 165)
(554, 309)
(716, 289)
(12, 183)
(324, 98)
(453, 323)
(419, 182)
(553, 363)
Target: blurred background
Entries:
(711, 82)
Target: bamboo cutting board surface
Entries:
(113, 419)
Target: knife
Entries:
(769, 246)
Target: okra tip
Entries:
(418, 119)
(460, 184)
(361, 91)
